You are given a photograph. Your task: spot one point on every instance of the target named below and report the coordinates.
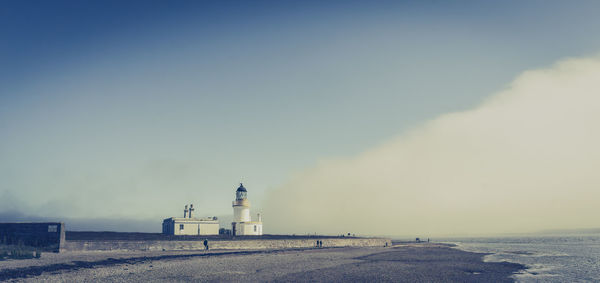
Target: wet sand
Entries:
(402, 263)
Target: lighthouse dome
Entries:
(241, 193)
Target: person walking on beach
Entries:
(206, 244)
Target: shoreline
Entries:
(405, 262)
(527, 269)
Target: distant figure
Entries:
(427, 240)
(321, 244)
(206, 244)
(317, 245)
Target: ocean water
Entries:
(548, 259)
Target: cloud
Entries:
(526, 159)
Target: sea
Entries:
(573, 258)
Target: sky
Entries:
(408, 116)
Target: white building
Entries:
(187, 225)
(242, 223)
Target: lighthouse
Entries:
(242, 222)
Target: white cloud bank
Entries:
(527, 159)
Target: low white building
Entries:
(242, 222)
(187, 225)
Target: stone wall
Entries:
(227, 245)
(47, 236)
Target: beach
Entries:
(401, 263)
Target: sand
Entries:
(402, 263)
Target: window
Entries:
(180, 226)
(52, 228)
(254, 228)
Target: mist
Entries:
(524, 160)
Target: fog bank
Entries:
(524, 160)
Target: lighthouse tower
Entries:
(242, 222)
(241, 205)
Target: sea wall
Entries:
(253, 244)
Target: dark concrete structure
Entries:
(47, 236)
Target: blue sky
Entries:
(108, 108)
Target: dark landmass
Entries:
(107, 224)
(569, 231)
